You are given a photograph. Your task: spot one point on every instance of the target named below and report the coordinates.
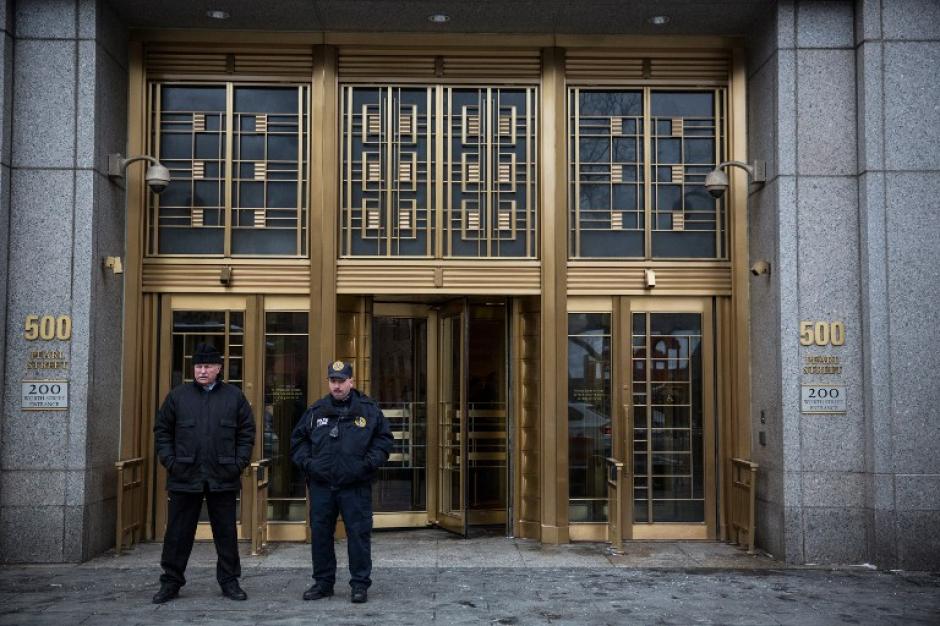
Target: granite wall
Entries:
(57, 484)
(842, 105)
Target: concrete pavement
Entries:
(430, 577)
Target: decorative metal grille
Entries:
(238, 156)
(387, 171)
(668, 445)
(439, 172)
(637, 165)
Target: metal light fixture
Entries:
(716, 182)
(157, 175)
(216, 14)
(658, 20)
(439, 18)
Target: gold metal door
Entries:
(451, 503)
(231, 324)
(668, 393)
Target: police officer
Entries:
(204, 435)
(339, 443)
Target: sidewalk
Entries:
(430, 577)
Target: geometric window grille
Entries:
(238, 157)
(636, 173)
(399, 174)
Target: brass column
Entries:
(554, 335)
(323, 203)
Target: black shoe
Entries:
(359, 595)
(167, 592)
(232, 591)
(316, 593)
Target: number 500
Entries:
(48, 327)
(822, 333)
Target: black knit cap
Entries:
(206, 354)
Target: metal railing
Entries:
(258, 476)
(130, 502)
(743, 495)
(615, 505)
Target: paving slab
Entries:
(428, 577)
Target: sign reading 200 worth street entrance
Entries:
(45, 395)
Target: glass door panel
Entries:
(452, 424)
(487, 469)
(285, 400)
(399, 384)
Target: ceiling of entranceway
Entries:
(686, 17)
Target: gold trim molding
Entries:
(206, 277)
(596, 279)
(392, 277)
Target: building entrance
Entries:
(440, 373)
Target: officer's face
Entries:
(340, 388)
(207, 373)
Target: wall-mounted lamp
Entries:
(225, 276)
(760, 268)
(649, 276)
(157, 175)
(113, 263)
(716, 182)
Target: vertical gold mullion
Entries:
(347, 205)
(429, 175)
(439, 175)
(531, 204)
(300, 163)
(647, 175)
(575, 129)
(227, 177)
(719, 107)
(389, 169)
(155, 151)
(449, 145)
(489, 192)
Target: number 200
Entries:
(822, 333)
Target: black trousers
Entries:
(355, 503)
(182, 518)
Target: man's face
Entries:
(207, 373)
(340, 388)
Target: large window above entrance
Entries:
(238, 156)
(438, 172)
(637, 165)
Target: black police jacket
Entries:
(204, 437)
(341, 450)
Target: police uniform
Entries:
(340, 445)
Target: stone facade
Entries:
(842, 106)
(67, 111)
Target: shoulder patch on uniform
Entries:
(360, 422)
(322, 421)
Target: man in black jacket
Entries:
(339, 443)
(204, 436)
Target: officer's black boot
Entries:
(316, 593)
(167, 592)
(359, 595)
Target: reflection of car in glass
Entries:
(588, 432)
